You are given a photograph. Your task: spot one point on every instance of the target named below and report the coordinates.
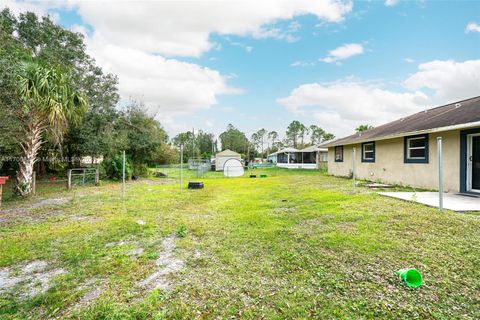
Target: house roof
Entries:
(457, 115)
(313, 149)
(227, 153)
(284, 150)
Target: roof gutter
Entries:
(410, 133)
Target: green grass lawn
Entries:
(297, 245)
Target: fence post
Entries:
(34, 182)
(440, 174)
(123, 176)
(97, 176)
(69, 182)
(83, 182)
(181, 167)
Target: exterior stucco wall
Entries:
(389, 166)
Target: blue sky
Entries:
(262, 64)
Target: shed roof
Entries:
(452, 116)
(228, 153)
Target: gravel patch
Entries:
(167, 264)
(32, 278)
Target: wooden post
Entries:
(1, 191)
(83, 181)
(69, 181)
(123, 176)
(34, 182)
(97, 176)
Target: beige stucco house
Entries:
(404, 151)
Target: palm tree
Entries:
(49, 103)
(363, 127)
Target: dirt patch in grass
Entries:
(155, 182)
(28, 280)
(166, 264)
(31, 213)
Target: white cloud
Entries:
(17, 7)
(339, 107)
(356, 101)
(79, 29)
(450, 80)
(301, 63)
(183, 28)
(409, 60)
(288, 34)
(472, 27)
(343, 105)
(391, 3)
(167, 86)
(343, 52)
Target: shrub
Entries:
(116, 168)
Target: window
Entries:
(368, 152)
(339, 154)
(416, 149)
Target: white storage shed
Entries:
(223, 156)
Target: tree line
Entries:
(260, 143)
(56, 102)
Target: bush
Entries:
(116, 168)
(140, 170)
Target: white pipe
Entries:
(440, 174)
(353, 167)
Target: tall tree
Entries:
(272, 137)
(30, 37)
(328, 136)
(145, 137)
(205, 143)
(316, 134)
(293, 132)
(49, 103)
(302, 133)
(262, 135)
(255, 142)
(234, 139)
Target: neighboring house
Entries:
(89, 160)
(404, 151)
(223, 156)
(309, 158)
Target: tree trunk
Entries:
(30, 147)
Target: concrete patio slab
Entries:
(451, 201)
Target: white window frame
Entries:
(370, 151)
(417, 148)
